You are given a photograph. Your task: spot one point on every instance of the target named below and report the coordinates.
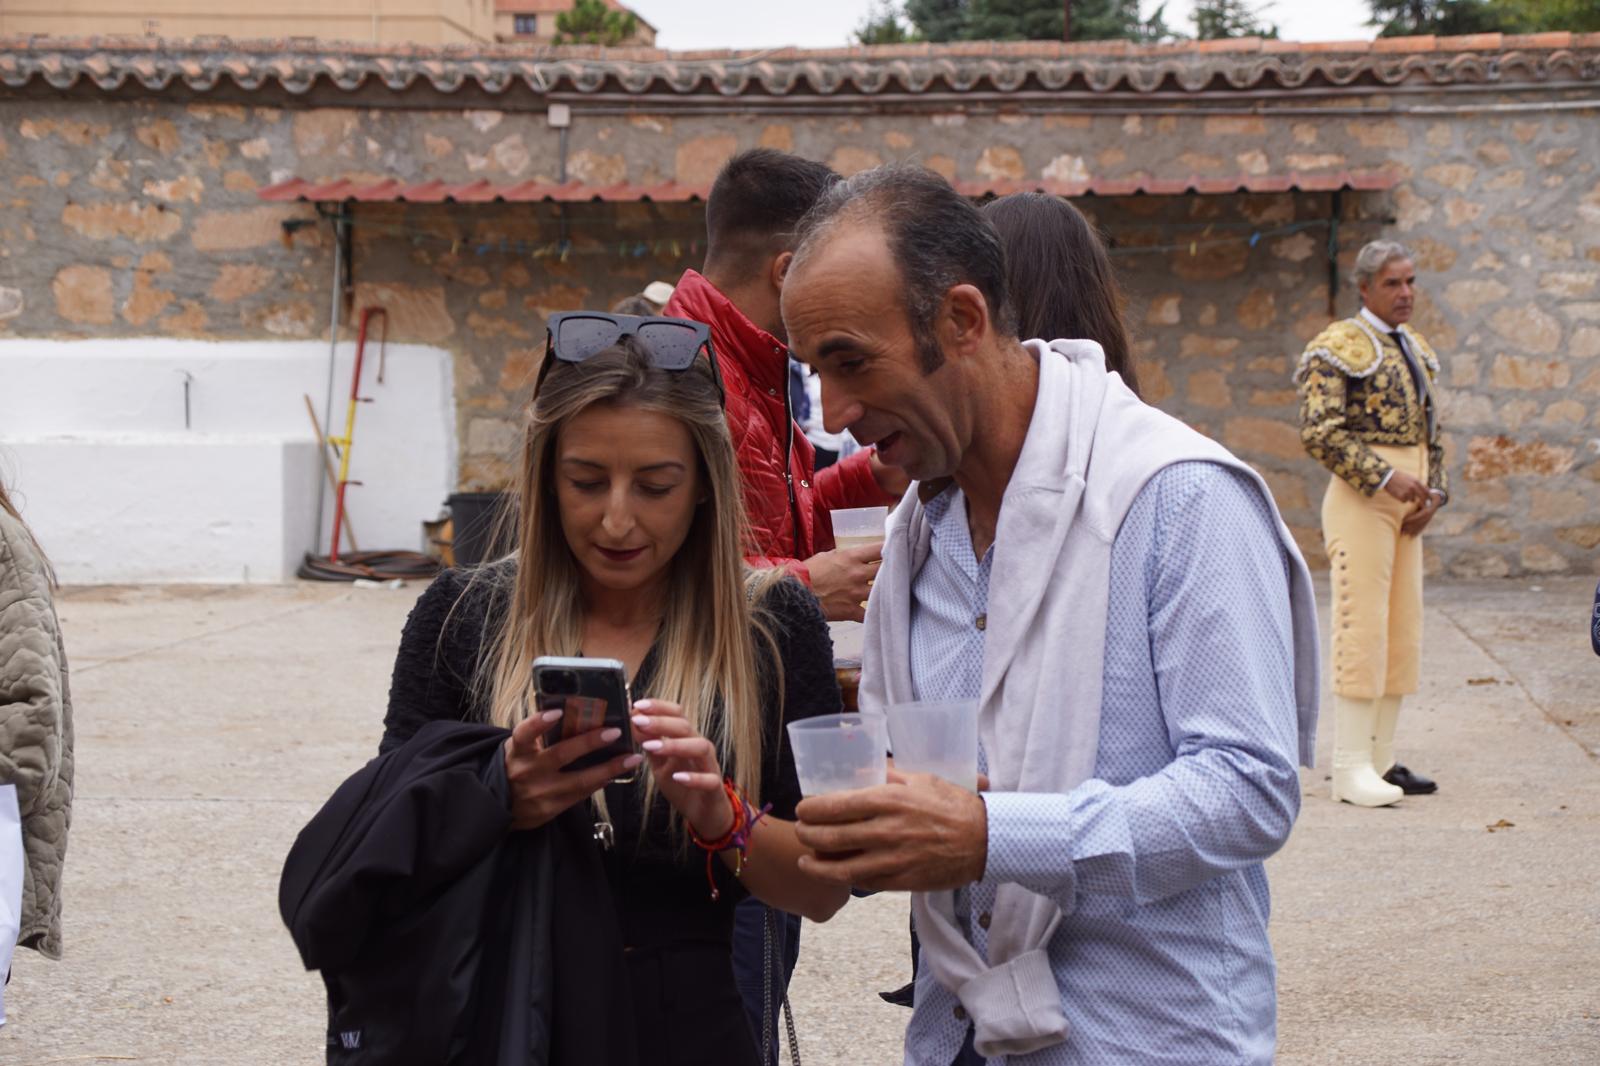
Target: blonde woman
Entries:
(35, 736)
(630, 547)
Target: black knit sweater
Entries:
(660, 885)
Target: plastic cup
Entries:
(859, 527)
(856, 527)
(939, 738)
(839, 752)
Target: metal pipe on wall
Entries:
(336, 304)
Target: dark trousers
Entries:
(749, 964)
(686, 1007)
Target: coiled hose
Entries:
(373, 566)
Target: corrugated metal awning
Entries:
(476, 192)
(482, 192)
(1330, 181)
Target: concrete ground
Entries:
(213, 721)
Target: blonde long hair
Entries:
(706, 658)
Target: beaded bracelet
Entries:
(737, 838)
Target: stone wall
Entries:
(141, 218)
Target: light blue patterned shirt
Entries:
(1156, 861)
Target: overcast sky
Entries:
(825, 23)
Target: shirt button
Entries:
(805, 484)
(960, 1012)
(982, 622)
(772, 392)
(984, 919)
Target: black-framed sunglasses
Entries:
(671, 343)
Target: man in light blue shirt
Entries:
(1146, 614)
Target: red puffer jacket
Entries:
(755, 373)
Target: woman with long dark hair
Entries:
(1060, 277)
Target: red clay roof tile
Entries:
(1095, 67)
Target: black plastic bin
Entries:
(474, 515)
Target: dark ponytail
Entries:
(1060, 278)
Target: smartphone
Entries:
(590, 694)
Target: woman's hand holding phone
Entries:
(539, 790)
(685, 766)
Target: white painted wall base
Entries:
(94, 448)
(170, 508)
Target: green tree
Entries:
(1217, 19)
(1401, 18)
(1155, 27)
(884, 25)
(592, 22)
(1016, 20)
(1409, 18)
(938, 20)
(1037, 20)
(1579, 16)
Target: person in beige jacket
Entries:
(35, 726)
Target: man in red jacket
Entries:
(751, 214)
(755, 204)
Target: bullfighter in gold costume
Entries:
(1367, 413)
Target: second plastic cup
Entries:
(857, 527)
(839, 752)
(939, 738)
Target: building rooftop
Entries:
(1244, 66)
(556, 7)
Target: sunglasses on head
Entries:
(670, 343)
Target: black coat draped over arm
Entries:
(442, 936)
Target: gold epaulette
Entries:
(1419, 343)
(1348, 346)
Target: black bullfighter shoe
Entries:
(1411, 784)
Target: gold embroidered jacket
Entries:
(1355, 391)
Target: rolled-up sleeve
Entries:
(1216, 581)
